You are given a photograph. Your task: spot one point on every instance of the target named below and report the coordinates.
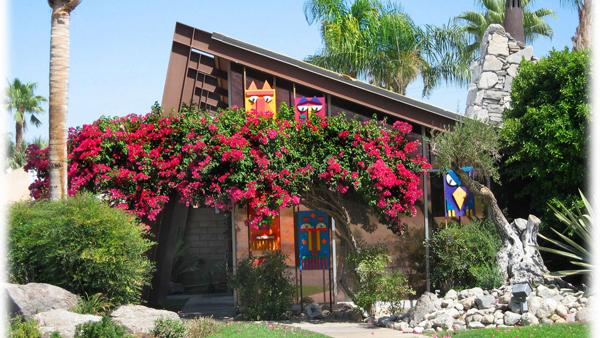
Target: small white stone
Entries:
(498, 45)
(491, 63)
(487, 80)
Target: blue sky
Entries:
(120, 52)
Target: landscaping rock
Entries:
(139, 319)
(562, 310)
(546, 292)
(529, 319)
(468, 302)
(534, 303)
(488, 319)
(451, 294)
(547, 309)
(485, 301)
(425, 305)
(61, 321)
(32, 298)
(419, 329)
(313, 311)
(582, 316)
(511, 318)
(475, 325)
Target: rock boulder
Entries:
(139, 319)
(61, 321)
(32, 298)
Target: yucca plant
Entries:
(578, 223)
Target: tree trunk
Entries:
(519, 259)
(59, 81)
(18, 136)
(582, 37)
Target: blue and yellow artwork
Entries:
(313, 228)
(458, 200)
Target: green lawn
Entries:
(542, 331)
(260, 330)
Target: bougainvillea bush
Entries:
(234, 157)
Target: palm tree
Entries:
(380, 44)
(582, 38)
(59, 80)
(476, 23)
(21, 99)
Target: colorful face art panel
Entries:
(458, 199)
(267, 237)
(306, 107)
(262, 100)
(313, 240)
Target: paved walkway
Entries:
(216, 305)
(352, 330)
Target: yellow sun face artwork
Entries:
(262, 100)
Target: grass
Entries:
(308, 290)
(543, 331)
(261, 330)
(208, 327)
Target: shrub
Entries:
(21, 328)
(202, 327)
(169, 328)
(80, 244)
(96, 304)
(545, 133)
(106, 328)
(464, 256)
(265, 287)
(375, 282)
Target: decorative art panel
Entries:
(262, 100)
(459, 201)
(313, 227)
(307, 106)
(267, 237)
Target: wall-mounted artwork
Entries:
(459, 201)
(266, 237)
(307, 106)
(313, 231)
(262, 100)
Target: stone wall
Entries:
(493, 73)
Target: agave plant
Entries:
(578, 224)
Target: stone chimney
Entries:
(513, 20)
(492, 75)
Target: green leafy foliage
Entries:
(265, 287)
(375, 281)
(21, 328)
(578, 223)
(464, 256)
(469, 143)
(96, 304)
(377, 41)
(544, 134)
(80, 244)
(169, 328)
(106, 328)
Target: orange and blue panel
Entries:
(313, 229)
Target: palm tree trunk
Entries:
(18, 136)
(59, 81)
(582, 37)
